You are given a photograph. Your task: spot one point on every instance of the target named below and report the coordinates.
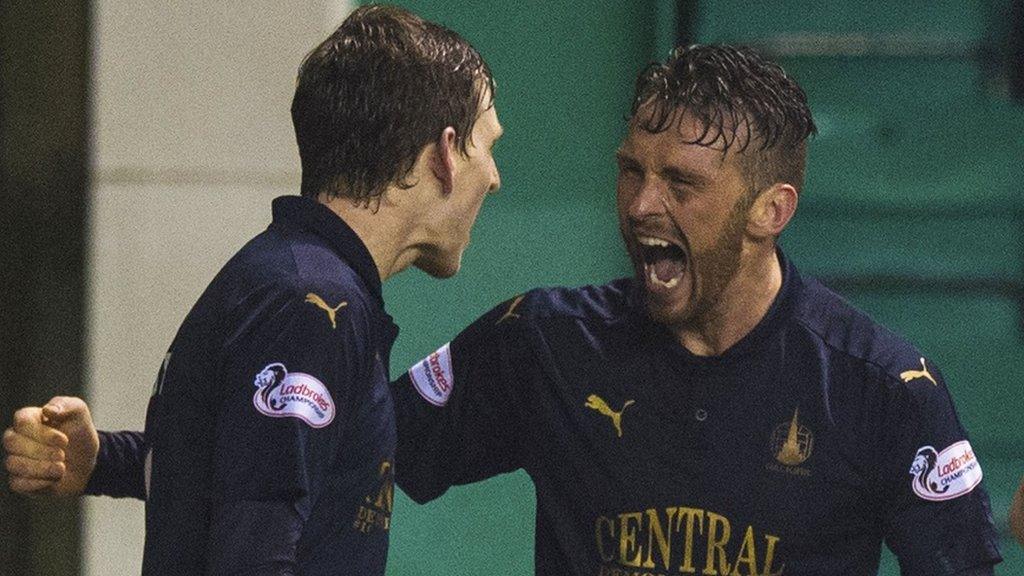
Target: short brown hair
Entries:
(737, 95)
(373, 94)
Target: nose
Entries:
(649, 200)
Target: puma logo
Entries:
(922, 373)
(511, 310)
(595, 402)
(319, 303)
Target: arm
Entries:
(457, 411)
(56, 450)
(273, 452)
(937, 516)
(120, 466)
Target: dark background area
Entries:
(44, 62)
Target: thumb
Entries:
(62, 409)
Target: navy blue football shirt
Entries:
(799, 451)
(270, 435)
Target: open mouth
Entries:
(664, 262)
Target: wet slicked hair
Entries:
(372, 95)
(743, 102)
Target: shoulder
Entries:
(298, 264)
(593, 303)
(876, 386)
(548, 313)
(848, 334)
(275, 285)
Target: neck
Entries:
(383, 231)
(742, 304)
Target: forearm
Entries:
(421, 457)
(120, 466)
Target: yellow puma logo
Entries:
(595, 402)
(511, 310)
(922, 373)
(319, 303)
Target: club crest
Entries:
(792, 442)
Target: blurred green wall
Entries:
(910, 207)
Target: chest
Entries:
(744, 461)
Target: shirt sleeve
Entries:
(120, 466)
(938, 519)
(279, 429)
(459, 409)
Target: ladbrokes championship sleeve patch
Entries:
(281, 394)
(432, 377)
(947, 474)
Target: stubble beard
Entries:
(710, 273)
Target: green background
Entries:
(913, 176)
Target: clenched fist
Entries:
(51, 450)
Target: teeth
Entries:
(657, 281)
(650, 241)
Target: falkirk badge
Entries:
(792, 442)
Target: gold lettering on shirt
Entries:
(386, 496)
(660, 536)
(692, 515)
(769, 557)
(376, 509)
(667, 541)
(629, 552)
(747, 554)
(719, 531)
(600, 532)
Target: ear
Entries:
(772, 211)
(442, 161)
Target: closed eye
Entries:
(682, 179)
(628, 165)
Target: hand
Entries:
(51, 450)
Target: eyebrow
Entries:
(670, 172)
(675, 173)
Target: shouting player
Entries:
(717, 413)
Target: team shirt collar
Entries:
(307, 214)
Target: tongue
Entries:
(667, 268)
